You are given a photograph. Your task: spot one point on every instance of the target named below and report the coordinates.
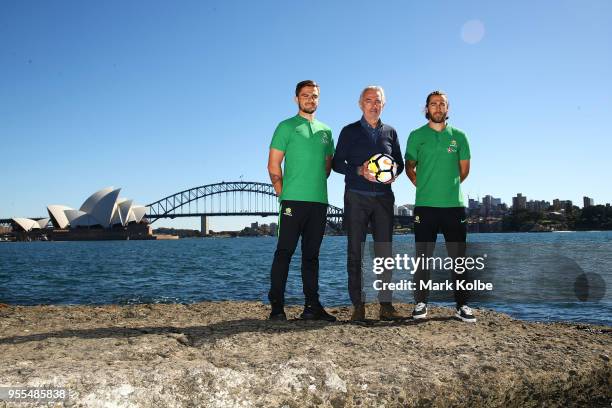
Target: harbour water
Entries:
(536, 275)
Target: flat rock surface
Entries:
(225, 354)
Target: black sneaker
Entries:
(420, 311)
(465, 313)
(277, 315)
(316, 313)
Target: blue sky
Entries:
(156, 97)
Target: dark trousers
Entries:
(359, 211)
(298, 219)
(453, 224)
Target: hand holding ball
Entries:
(382, 167)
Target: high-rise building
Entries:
(490, 204)
(519, 202)
(562, 205)
(538, 205)
(486, 202)
(588, 201)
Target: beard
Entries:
(310, 109)
(438, 117)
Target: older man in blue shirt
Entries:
(365, 200)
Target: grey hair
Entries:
(375, 88)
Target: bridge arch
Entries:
(232, 198)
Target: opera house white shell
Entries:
(139, 212)
(58, 217)
(93, 199)
(28, 224)
(103, 208)
(80, 219)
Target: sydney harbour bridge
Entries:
(233, 198)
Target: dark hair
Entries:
(302, 84)
(441, 93)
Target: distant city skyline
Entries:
(195, 222)
(495, 201)
(159, 97)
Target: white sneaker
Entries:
(420, 311)
(465, 313)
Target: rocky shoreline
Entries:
(225, 354)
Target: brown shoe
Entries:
(358, 313)
(388, 312)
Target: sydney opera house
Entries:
(104, 215)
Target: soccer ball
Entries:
(383, 167)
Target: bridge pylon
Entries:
(204, 227)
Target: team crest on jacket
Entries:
(452, 147)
